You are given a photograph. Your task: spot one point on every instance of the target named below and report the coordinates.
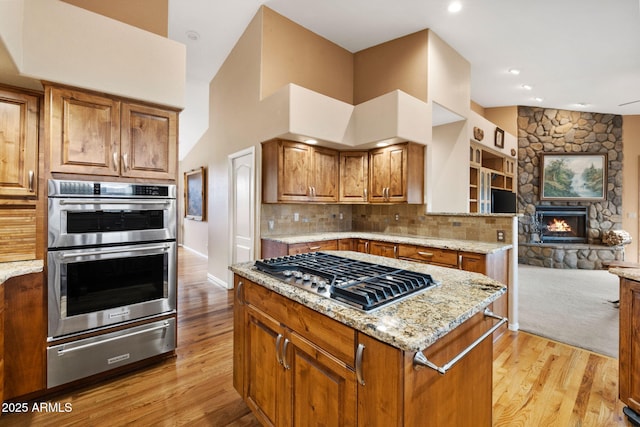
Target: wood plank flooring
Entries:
(536, 381)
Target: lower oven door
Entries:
(91, 288)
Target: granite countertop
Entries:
(18, 268)
(412, 324)
(627, 273)
(452, 244)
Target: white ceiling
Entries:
(568, 51)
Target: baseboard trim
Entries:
(217, 281)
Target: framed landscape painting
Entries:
(573, 176)
(195, 194)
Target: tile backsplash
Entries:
(411, 220)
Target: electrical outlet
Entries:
(500, 235)
(397, 217)
(296, 217)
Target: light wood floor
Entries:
(537, 382)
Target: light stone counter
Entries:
(412, 324)
(19, 268)
(452, 244)
(627, 273)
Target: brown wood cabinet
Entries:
(96, 134)
(345, 244)
(1, 344)
(295, 366)
(436, 256)
(18, 143)
(629, 359)
(389, 250)
(396, 174)
(298, 364)
(296, 172)
(301, 248)
(25, 329)
(354, 176)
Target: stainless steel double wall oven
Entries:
(111, 262)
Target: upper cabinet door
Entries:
(295, 163)
(84, 133)
(18, 144)
(354, 176)
(149, 142)
(325, 175)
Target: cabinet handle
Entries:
(239, 294)
(314, 191)
(115, 161)
(278, 355)
(365, 194)
(366, 247)
(31, 175)
(359, 353)
(284, 354)
(395, 251)
(310, 192)
(125, 159)
(420, 360)
(314, 248)
(427, 254)
(460, 261)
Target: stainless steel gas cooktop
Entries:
(359, 284)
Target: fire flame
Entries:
(559, 225)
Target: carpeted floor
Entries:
(570, 306)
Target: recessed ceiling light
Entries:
(382, 144)
(455, 7)
(581, 104)
(538, 99)
(527, 87)
(514, 71)
(311, 141)
(193, 35)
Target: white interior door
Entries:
(242, 215)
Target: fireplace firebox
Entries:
(562, 224)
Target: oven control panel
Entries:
(64, 188)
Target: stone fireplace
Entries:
(546, 130)
(562, 224)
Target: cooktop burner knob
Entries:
(297, 274)
(287, 273)
(322, 286)
(306, 278)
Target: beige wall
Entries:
(396, 64)
(449, 77)
(293, 54)
(504, 117)
(630, 183)
(149, 15)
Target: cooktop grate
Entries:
(360, 284)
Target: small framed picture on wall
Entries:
(499, 141)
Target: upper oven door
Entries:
(101, 221)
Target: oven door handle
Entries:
(62, 351)
(115, 251)
(114, 202)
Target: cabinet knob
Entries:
(31, 175)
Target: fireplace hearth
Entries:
(562, 224)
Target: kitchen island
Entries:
(300, 357)
(629, 358)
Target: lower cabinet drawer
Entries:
(79, 359)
